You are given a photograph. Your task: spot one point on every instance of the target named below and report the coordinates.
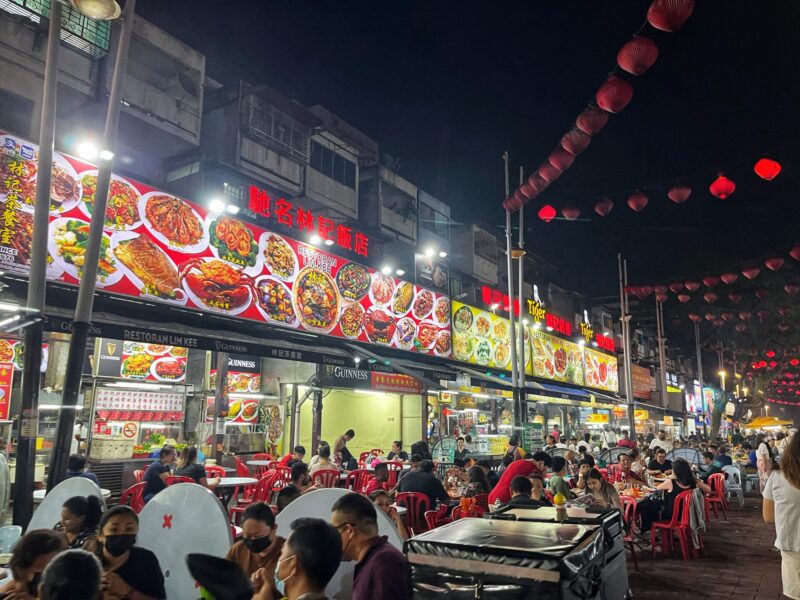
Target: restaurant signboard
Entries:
(138, 361)
(640, 378)
(557, 359)
(6, 381)
(372, 378)
(159, 247)
(482, 338)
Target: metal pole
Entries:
(521, 278)
(220, 405)
(519, 416)
(32, 357)
(662, 359)
(700, 376)
(83, 307)
(626, 342)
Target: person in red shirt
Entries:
(526, 467)
(296, 456)
(625, 441)
(380, 481)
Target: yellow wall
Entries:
(374, 417)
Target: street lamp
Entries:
(722, 375)
(102, 10)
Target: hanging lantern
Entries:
(637, 55)
(761, 294)
(661, 289)
(561, 159)
(679, 193)
(710, 316)
(614, 95)
(791, 288)
(784, 327)
(774, 263)
(722, 187)
(735, 297)
(710, 297)
(592, 120)
(638, 201)
(729, 278)
(512, 204)
(767, 169)
(643, 292)
(676, 286)
(684, 298)
(570, 212)
(519, 197)
(710, 281)
(548, 172)
(751, 272)
(547, 213)
(669, 15)
(604, 206)
(692, 286)
(740, 327)
(795, 252)
(662, 297)
(629, 289)
(783, 311)
(575, 141)
(695, 318)
(744, 315)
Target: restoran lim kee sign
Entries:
(301, 219)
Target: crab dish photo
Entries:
(217, 284)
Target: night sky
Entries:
(447, 86)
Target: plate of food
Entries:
(380, 326)
(403, 296)
(316, 300)
(157, 349)
(279, 257)
(249, 410)
(441, 310)
(423, 304)
(443, 344)
(274, 301)
(173, 222)
(426, 336)
(405, 334)
(168, 368)
(122, 209)
(353, 281)
(148, 267)
(483, 352)
(179, 351)
(500, 329)
(463, 319)
(233, 241)
(136, 366)
(6, 351)
(482, 326)
(502, 354)
(352, 320)
(216, 285)
(68, 243)
(382, 289)
(463, 347)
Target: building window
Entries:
(434, 221)
(332, 165)
(234, 194)
(485, 246)
(269, 125)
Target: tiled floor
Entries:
(737, 563)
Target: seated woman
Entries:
(130, 572)
(603, 493)
(478, 482)
(383, 502)
(323, 461)
(79, 519)
(260, 545)
(189, 467)
(652, 509)
(157, 473)
(31, 555)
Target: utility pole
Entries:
(519, 416)
(702, 398)
(521, 277)
(662, 358)
(625, 319)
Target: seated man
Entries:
(301, 479)
(424, 481)
(380, 480)
(521, 488)
(723, 458)
(381, 570)
(711, 464)
(537, 490)
(557, 483)
(660, 465)
(76, 467)
(286, 496)
(290, 459)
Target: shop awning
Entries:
(427, 383)
(762, 422)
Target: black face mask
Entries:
(257, 545)
(117, 545)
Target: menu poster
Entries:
(432, 274)
(556, 359)
(600, 370)
(482, 338)
(244, 374)
(13, 350)
(144, 362)
(164, 248)
(241, 411)
(138, 405)
(6, 380)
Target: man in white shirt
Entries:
(661, 441)
(608, 437)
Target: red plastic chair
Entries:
(241, 469)
(274, 464)
(263, 456)
(475, 512)
(327, 478)
(717, 496)
(173, 479)
(435, 518)
(604, 473)
(262, 493)
(415, 504)
(614, 473)
(678, 524)
(134, 497)
(376, 452)
(482, 500)
(362, 458)
(215, 471)
(138, 476)
(394, 466)
(357, 480)
(629, 518)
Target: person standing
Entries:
(340, 452)
(537, 464)
(608, 437)
(556, 434)
(461, 449)
(782, 507)
(513, 450)
(763, 460)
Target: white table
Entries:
(259, 463)
(226, 483)
(38, 495)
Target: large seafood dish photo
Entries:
(316, 300)
(173, 222)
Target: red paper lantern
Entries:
(637, 55)
(710, 316)
(744, 315)
(770, 353)
(592, 120)
(548, 172)
(669, 15)
(676, 286)
(684, 298)
(783, 311)
(710, 281)
(692, 286)
(662, 297)
(604, 206)
(511, 204)
(767, 169)
(570, 212)
(774, 263)
(661, 289)
(614, 95)
(729, 278)
(561, 159)
(794, 362)
(735, 297)
(727, 316)
(722, 187)
(795, 252)
(695, 318)
(547, 213)
(643, 292)
(538, 183)
(528, 191)
(710, 297)
(679, 193)
(791, 288)
(638, 201)
(575, 141)
(761, 294)
(740, 327)
(783, 327)
(751, 272)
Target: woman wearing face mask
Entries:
(130, 572)
(79, 518)
(31, 555)
(260, 546)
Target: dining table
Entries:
(227, 487)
